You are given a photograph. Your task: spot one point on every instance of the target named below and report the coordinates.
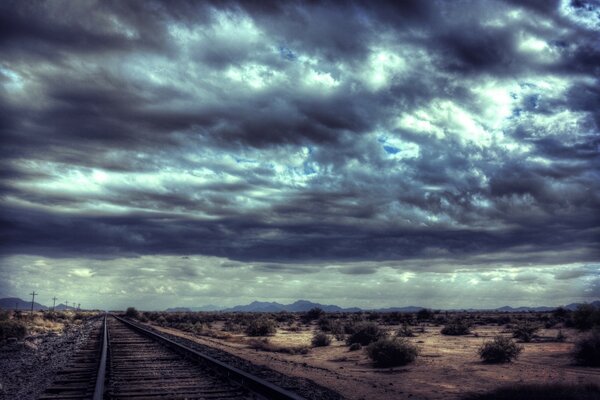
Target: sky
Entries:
(436, 153)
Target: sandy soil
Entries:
(447, 367)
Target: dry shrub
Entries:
(500, 350)
(587, 349)
(366, 333)
(12, 329)
(261, 327)
(456, 328)
(321, 339)
(392, 352)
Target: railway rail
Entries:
(124, 360)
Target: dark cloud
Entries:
(302, 132)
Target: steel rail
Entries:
(100, 377)
(249, 381)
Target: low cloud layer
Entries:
(292, 137)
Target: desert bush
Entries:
(405, 331)
(587, 349)
(456, 328)
(392, 352)
(261, 326)
(500, 350)
(366, 333)
(560, 312)
(312, 314)
(540, 392)
(321, 339)
(525, 331)
(325, 324)
(4, 315)
(355, 347)
(424, 314)
(131, 312)
(586, 316)
(10, 329)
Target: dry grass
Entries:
(266, 345)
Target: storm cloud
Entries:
(304, 138)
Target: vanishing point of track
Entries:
(123, 360)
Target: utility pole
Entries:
(54, 304)
(66, 305)
(33, 294)
(78, 306)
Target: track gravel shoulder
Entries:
(29, 366)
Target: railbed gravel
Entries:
(29, 366)
(301, 386)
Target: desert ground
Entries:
(447, 367)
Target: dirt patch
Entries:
(447, 368)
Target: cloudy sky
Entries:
(444, 154)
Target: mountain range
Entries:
(305, 305)
(12, 303)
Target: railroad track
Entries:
(124, 360)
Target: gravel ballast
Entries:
(27, 367)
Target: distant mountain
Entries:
(298, 306)
(408, 309)
(12, 303)
(62, 307)
(207, 307)
(524, 309)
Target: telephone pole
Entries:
(33, 294)
(54, 304)
(66, 305)
(78, 306)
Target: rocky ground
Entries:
(27, 367)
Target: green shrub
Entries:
(587, 349)
(540, 392)
(12, 329)
(312, 314)
(366, 333)
(405, 331)
(424, 314)
(321, 339)
(131, 312)
(525, 331)
(586, 316)
(4, 315)
(261, 326)
(392, 352)
(500, 350)
(456, 328)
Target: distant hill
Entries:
(298, 306)
(408, 309)
(207, 307)
(62, 307)
(11, 303)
